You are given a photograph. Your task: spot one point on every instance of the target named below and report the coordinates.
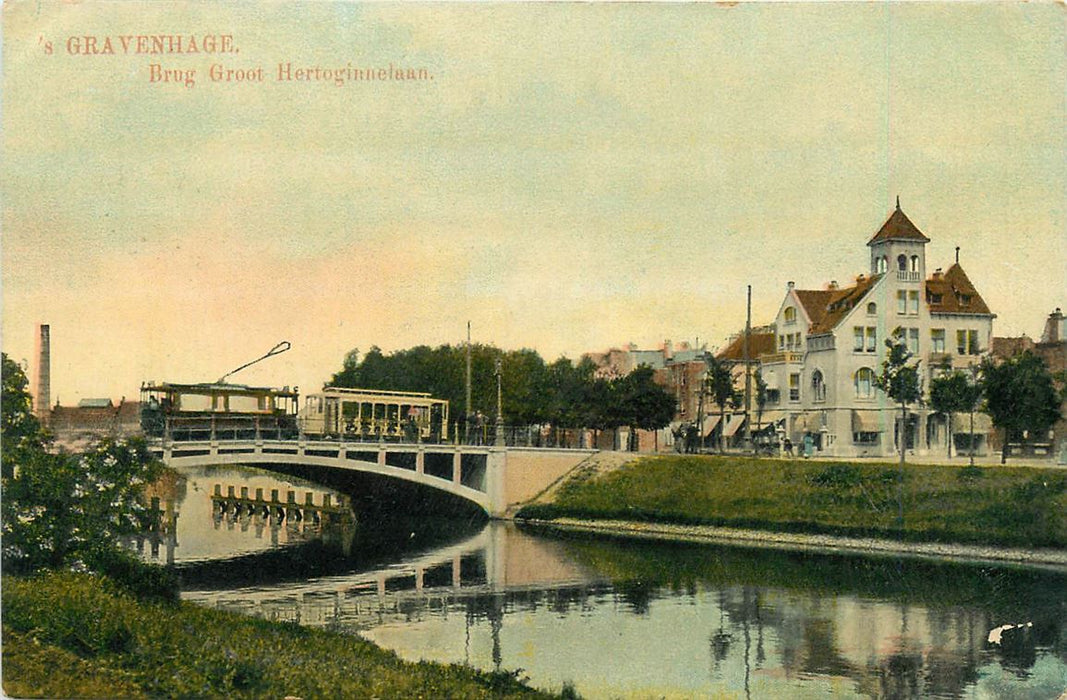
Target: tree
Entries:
(955, 393)
(719, 383)
(1020, 396)
(761, 397)
(642, 404)
(20, 431)
(900, 381)
(60, 509)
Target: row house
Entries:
(830, 345)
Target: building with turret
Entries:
(830, 345)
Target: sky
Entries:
(566, 177)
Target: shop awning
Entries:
(768, 417)
(866, 421)
(961, 423)
(809, 422)
(732, 425)
(771, 380)
(710, 422)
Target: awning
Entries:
(768, 417)
(709, 424)
(732, 425)
(961, 423)
(866, 421)
(771, 380)
(809, 422)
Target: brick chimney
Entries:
(42, 393)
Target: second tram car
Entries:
(369, 414)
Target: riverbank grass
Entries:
(79, 635)
(1011, 506)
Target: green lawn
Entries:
(995, 505)
(76, 635)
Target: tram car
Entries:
(218, 411)
(368, 414)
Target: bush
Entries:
(143, 580)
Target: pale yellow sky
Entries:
(574, 176)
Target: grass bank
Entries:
(78, 635)
(1011, 506)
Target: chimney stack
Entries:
(42, 395)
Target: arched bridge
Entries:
(493, 478)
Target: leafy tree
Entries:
(1020, 396)
(955, 393)
(60, 509)
(719, 384)
(64, 509)
(900, 381)
(20, 431)
(761, 397)
(641, 403)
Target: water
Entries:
(621, 618)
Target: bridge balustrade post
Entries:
(457, 467)
(259, 494)
(420, 461)
(244, 492)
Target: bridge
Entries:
(493, 478)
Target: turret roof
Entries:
(898, 227)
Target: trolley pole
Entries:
(499, 442)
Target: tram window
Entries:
(195, 402)
(350, 410)
(242, 404)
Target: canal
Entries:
(617, 617)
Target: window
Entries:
(818, 386)
(913, 303)
(913, 341)
(781, 343)
(915, 263)
(902, 302)
(872, 338)
(935, 298)
(857, 338)
(883, 264)
(864, 381)
(965, 299)
(794, 387)
(865, 438)
(790, 314)
(789, 342)
(967, 343)
(872, 309)
(902, 263)
(937, 339)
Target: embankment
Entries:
(986, 513)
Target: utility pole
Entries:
(499, 442)
(467, 414)
(748, 373)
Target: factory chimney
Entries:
(42, 394)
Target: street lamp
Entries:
(499, 442)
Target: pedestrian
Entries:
(788, 444)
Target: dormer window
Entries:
(935, 298)
(965, 299)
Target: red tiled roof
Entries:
(898, 227)
(759, 343)
(815, 302)
(837, 303)
(953, 293)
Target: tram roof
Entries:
(340, 391)
(217, 388)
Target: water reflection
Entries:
(622, 618)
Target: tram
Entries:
(217, 411)
(369, 414)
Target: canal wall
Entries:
(531, 471)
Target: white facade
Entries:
(831, 345)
